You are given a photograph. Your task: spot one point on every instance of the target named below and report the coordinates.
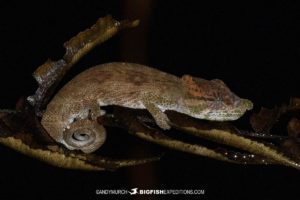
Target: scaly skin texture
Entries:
(70, 118)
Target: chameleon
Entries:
(70, 117)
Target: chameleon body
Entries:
(70, 117)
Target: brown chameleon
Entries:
(70, 118)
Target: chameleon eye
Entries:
(219, 98)
(228, 100)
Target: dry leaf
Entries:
(263, 121)
(293, 128)
(49, 74)
(22, 132)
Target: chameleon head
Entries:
(212, 100)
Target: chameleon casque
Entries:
(70, 117)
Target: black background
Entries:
(253, 47)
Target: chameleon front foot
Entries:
(161, 119)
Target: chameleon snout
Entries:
(246, 104)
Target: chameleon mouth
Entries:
(226, 113)
(230, 114)
(224, 116)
